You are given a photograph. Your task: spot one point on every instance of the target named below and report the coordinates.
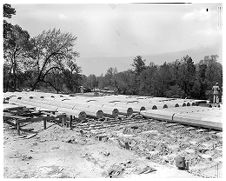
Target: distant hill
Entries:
(195, 54)
(99, 65)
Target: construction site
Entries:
(112, 90)
(89, 135)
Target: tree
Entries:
(164, 78)
(16, 46)
(91, 82)
(187, 73)
(72, 76)
(125, 82)
(52, 51)
(213, 73)
(210, 72)
(179, 79)
(108, 80)
(110, 77)
(147, 80)
(138, 64)
(209, 59)
(200, 84)
(175, 71)
(174, 91)
(55, 81)
(8, 11)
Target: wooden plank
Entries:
(11, 116)
(18, 127)
(48, 111)
(10, 123)
(7, 107)
(190, 128)
(30, 114)
(171, 124)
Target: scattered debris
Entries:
(72, 140)
(26, 158)
(157, 141)
(146, 170)
(115, 171)
(31, 135)
(105, 153)
(124, 144)
(102, 138)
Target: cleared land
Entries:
(122, 146)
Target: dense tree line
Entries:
(181, 78)
(48, 62)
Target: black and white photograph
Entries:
(112, 90)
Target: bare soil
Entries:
(59, 152)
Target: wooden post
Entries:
(45, 122)
(63, 121)
(70, 122)
(18, 127)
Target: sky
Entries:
(111, 34)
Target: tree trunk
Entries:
(14, 77)
(14, 82)
(35, 85)
(57, 90)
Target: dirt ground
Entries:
(58, 152)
